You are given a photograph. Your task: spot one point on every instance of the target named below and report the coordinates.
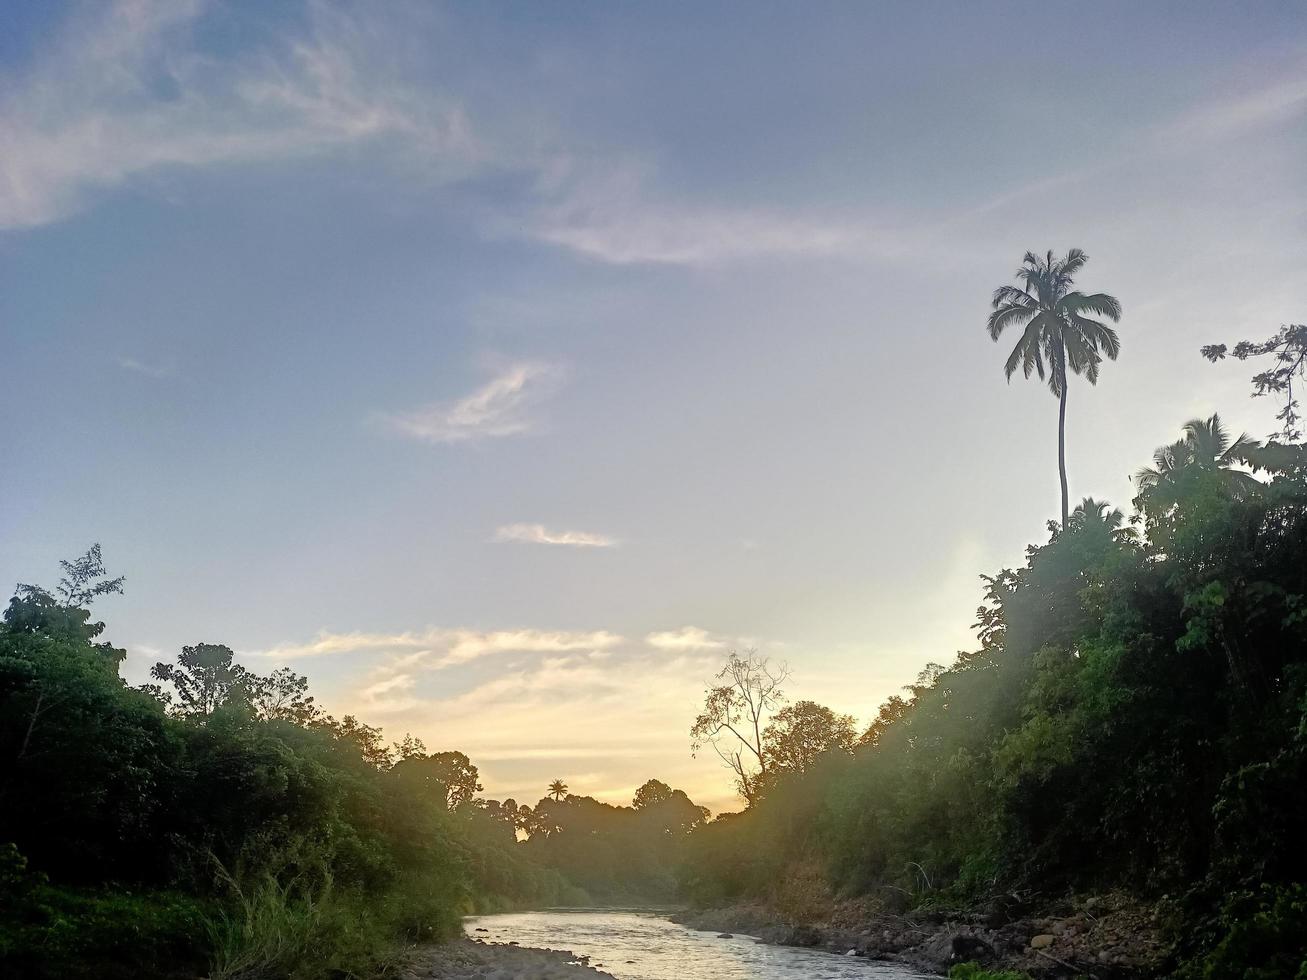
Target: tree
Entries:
(1058, 327)
(802, 732)
(206, 678)
(34, 609)
(1096, 513)
(735, 711)
(84, 580)
(411, 747)
(366, 738)
(891, 713)
(558, 789)
(651, 793)
(1288, 350)
(451, 776)
(668, 813)
(1204, 454)
(283, 695)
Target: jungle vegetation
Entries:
(1133, 718)
(218, 822)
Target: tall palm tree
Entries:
(558, 789)
(1058, 326)
(1205, 451)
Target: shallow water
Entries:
(645, 946)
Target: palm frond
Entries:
(1014, 360)
(1001, 319)
(1099, 304)
(1056, 363)
(1026, 352)
(1148, 477)
(1075, 261)
(1011, 295)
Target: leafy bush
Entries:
(1264, 938)
(53, 933)
(974, 971)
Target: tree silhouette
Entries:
(1205, 453)
(450, 776)
(205, 678)
(653, 792)
(804, 731)
(735, 712)
(1058, 327)
(1288, 350)
(1096, 513)
(558, 789)
(84, 580)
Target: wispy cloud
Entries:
(1267, 105)
(447, 647)
(685, 639)
(156, 369)
(500, 407)
(124, 91)
(389, 693)
(608, 212)
(539, 534)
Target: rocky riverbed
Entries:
(473, 959)
(1104, 938)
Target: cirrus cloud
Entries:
(684, 639)
(438, 648)
(539, 534)
(124, 90)
(500, 407)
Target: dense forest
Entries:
(1133, 719)
(220, 821)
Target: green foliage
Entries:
(1135, 718)
(306, 929)
(973, 971)
(219, 817)
(1263, 936)
(60, 934)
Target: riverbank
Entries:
(1104, 938)
(475, 959)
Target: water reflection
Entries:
(645, 946)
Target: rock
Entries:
(725, 935)
(1042, 941)
(967, 946)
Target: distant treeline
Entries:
(1134, 718)
(219, 822)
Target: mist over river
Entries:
(634, 945)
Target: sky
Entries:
(502, 366)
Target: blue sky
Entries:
(500, 366)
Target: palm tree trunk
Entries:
(1061, 432)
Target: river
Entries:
(635, 945)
